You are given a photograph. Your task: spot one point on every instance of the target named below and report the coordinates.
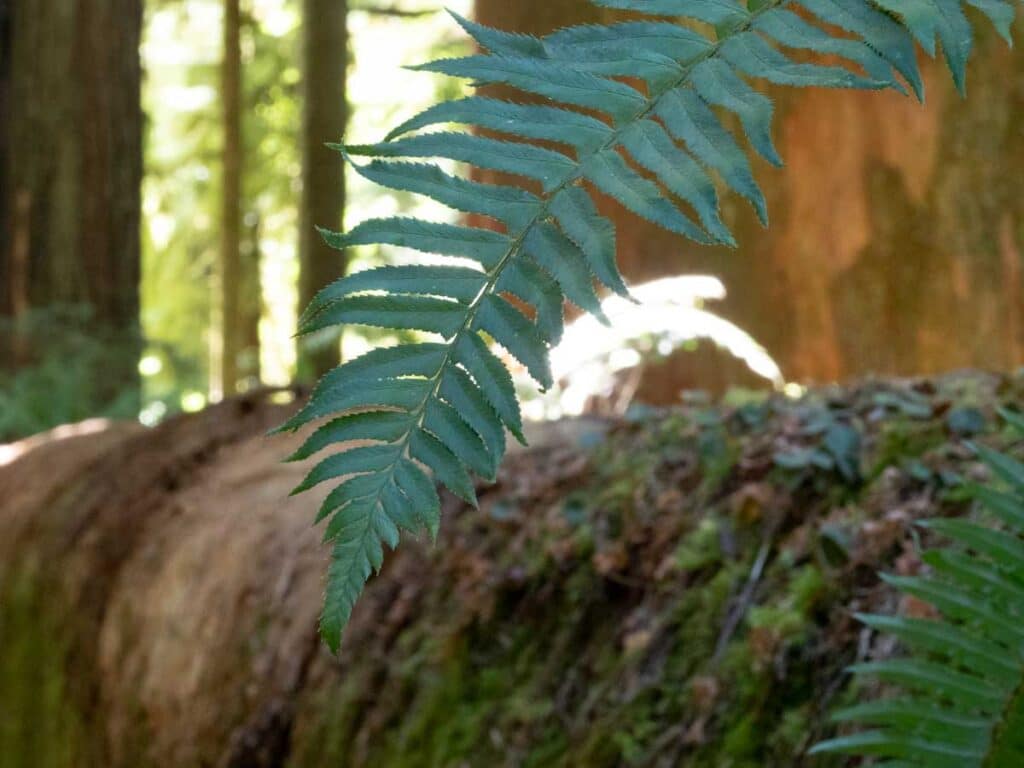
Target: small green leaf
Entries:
(493, 379)
(577, 215)
(444, 423)
(556, 80)
(462, 393)
(610, 173)
(481, 245)
(717, 83)
(530, 121)
(689, 119)
(446, 467)
(413, 313)
(386, 426)
(544, 165)
(419, 489)
(512, 330)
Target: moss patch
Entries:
(39, 725)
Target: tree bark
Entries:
(324, 60)
(250, 302)
(71, 156)
(5, 105)
(231, 199)
(896, 239)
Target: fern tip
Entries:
(331, 638)
(461, 20)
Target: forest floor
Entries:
(675, 588)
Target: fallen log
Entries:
(673, 589)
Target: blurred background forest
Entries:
(163, 167)
(671, 588)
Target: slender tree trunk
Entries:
(231, 199)
(896, 244)
(250, 303)
(5, 106)
(324, 60)
(71, 156)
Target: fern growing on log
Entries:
(438, 410)
(965, 706)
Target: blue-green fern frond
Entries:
(963, 689)
(635, 110)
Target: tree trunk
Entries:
(231, 199)
(324, 59)
(896, 240)
(250, 302)
(71, 156)
(534, 17)
(896, 245)
(5, 105)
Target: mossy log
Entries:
(675, 590)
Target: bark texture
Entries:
(897, 229)
(231, 273)
(324, 64)
(71, 152)
(652, 593)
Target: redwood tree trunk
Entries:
(897, 229)
(231, 199)
(324, 58)
(897, 232)
(71, 156)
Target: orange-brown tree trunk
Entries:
(897, 229)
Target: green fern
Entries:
(965, 706)
(439, 410)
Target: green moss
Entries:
(549, 750)
(700, 548)
(902, 439)
(39, 726)
(789, 616)
(807, 589)
(634, 742)
(742, 742)
(327, 741)
(789, 735)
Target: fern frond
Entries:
(652, 143)
(963, 700)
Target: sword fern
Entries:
(652, 91)
(962, 704)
